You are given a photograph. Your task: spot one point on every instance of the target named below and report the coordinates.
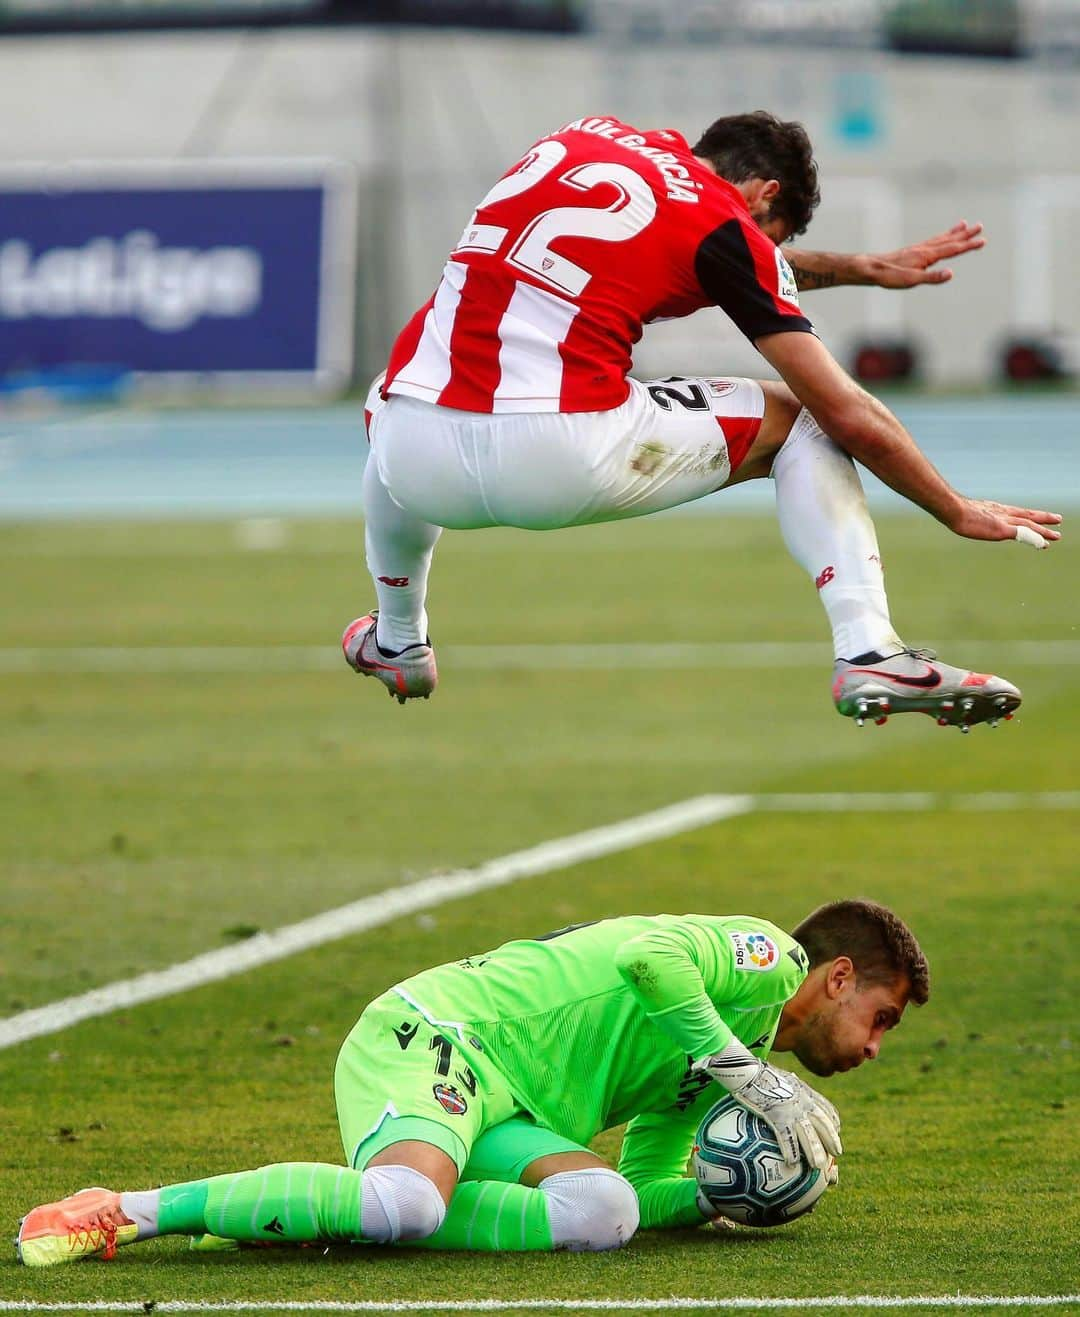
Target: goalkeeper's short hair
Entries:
(878, 942)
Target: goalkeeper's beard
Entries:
(818, 1048)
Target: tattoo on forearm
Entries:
(805, 279)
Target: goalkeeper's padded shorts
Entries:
(399, 1077)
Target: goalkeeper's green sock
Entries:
(491, 1216)
(294, 1202)
(299, 1202)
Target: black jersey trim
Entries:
(724, 266)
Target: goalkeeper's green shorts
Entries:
(400, 1077)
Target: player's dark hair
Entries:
(758, 145)
(879, 944)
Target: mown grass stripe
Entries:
(673, 1304)
(373, 911)
(370, 912)
(487, 658)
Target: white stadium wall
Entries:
(430, 118)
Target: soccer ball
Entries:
(739, 1167)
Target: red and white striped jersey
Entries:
(597, 229)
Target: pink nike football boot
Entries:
(914, 681)
(406, 675)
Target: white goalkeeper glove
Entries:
(825, 1106)
(798, 1115)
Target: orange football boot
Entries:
(88, 1224)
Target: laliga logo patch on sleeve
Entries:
(754, 951)
(786, 287)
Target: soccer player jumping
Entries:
(507, 399)
(467, 1095)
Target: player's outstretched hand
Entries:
(918, 264)
(804, 1123)
(980, 519)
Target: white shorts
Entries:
(672, 441)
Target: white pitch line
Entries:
(741, 1304)
(370, 912)
(912, 802)
(485, 658)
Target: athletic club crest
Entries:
(451, 1101)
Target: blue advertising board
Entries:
(202, 273)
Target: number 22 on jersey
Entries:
(630, 211)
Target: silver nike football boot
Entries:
(914, 681)
(406, 675)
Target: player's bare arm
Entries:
(908, 267)
(865, 428)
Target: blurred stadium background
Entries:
(160, 153)
(208, 200)
(214, 217)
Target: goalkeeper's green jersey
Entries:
(598, 1024)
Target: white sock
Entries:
(142, 1208)
(593, 1209)
(397, 1202)
(827, 528)
(399, 548)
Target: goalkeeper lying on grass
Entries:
(468, 1094)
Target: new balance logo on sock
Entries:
(825, 577)
(274, 1227)
(405, 1034)
(394, 580)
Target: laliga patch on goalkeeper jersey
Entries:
(754, 951)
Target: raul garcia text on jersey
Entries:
(679, 182)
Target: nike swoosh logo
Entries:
(928, 682)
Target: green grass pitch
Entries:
(149, 815)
